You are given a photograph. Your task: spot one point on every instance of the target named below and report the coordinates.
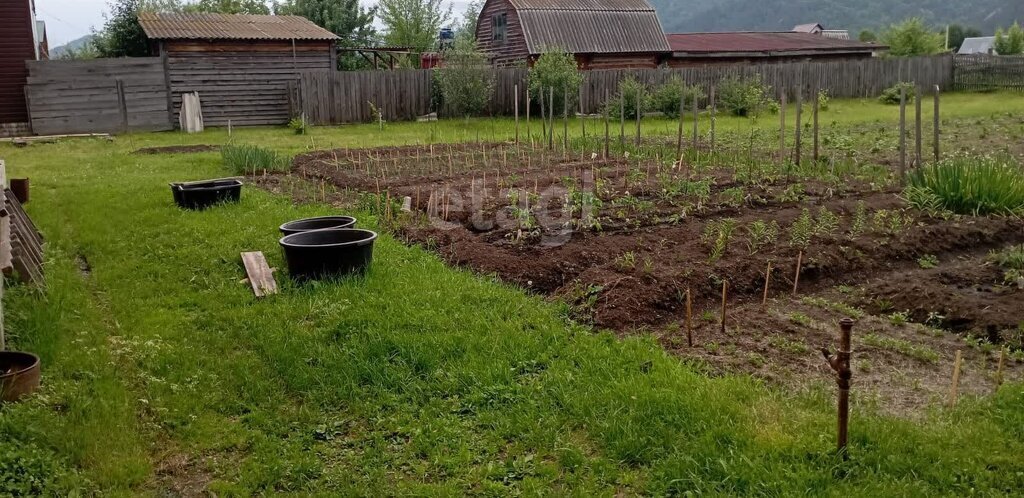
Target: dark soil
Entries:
(177, 149)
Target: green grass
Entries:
(969, 185)
(252, 160)
(416, 379)
(901, 346)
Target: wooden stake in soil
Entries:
(622, 119)
(815, 109)
(543, 119)
(516, 91)
(999, 366)
(903, 134)
(725, 285)
(639, 99)
(954, 387)
(606, 123)
(797, 136)
(696, 112)
(782, 126)
(767, 278)
(679, 137)
(551, 118)
(917, 128)
(714, 106)
(689, 318)
(565, 122)
(528, 134)
(935, 125)
(840, 364)
(796, 278)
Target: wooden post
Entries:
(767, 279)
(696, 111)
(999, 366)
(689, 319)
(606, 123)
(725, 285)
(543, 119)
(799, 113)
(516, 90)
(782, 127)
(583, 122)
(816, 109)
(622, 119)
(639, 99)
(551, 118)
(714, 106)
(565, 121)
(917, 128)
(935, 125)
(122, 104)
(796, 277)
(903, 134)
(528, 134)
(679, 137)
(954, 388)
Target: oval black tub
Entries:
(328, 253)
(203, 194)
(319, 223)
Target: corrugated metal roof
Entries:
(590, 26)
(808, 28)
(231, 27)
(762, 42)
(592, 5)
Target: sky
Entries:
(67, 20)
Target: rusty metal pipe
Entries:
(840, 364)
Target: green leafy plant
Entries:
(928, 261)
(716, 236)
(901, 346)
(761, 234)
(899, 317)
(860, 219)
(251, 159)
(823, 100)
(826, 223)
(466, 79)
(298, 125)
(626, 97)
(743, 97)
(891, 95)
(665, 98)
(627, 260)
(556, 70)
(793, 193)
(801, 230)
(973, 185)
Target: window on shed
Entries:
(499, 27)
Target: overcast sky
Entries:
(70, 19)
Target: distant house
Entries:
(979, 45)
(692, 49)
(819, 29)
(241, 65)
(20, 41)
(602, 34)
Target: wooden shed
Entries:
(241, 65)
(701, 49)
(17, 45)
(602, 34)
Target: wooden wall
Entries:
(331, 97)
(514, 49)
(244, 82)
(989, 72)
(83, 97)
(16, 46)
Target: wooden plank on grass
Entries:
(261, 277)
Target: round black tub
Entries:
(328, 253)
(319, 223)
(19, 374)
(203, 194)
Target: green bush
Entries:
(974, 185)
(628, 89)
(743, 97)
(556, 70)
(665, 98)
(891, 95)
(466, 81)
(250, 159)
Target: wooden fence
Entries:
(102, 95)
(988, 72)
(329, 97)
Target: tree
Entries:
(467, 28)
(1010, 42)
(122, 36)
(867, 36)
(345, 18)
(413, 23)
(466, 80)
(912, 38)
(229, 6)
(558, 70)
(958, 33)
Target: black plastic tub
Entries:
(319, 223)
(203, 194)
(328, 253)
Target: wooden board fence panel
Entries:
(82, 96)
(989, 72)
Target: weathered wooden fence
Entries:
(329, 97)
(101, 95)
(988, 72)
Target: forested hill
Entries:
(679, 16)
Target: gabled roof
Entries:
(230, 27)
(762, 43)
(808, 28)
(978, 45)
(590, 26)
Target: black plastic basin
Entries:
(328, 253)
(201, 195)
(320, 223)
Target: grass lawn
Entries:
(163, 374)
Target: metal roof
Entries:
(808, 28)
(979, 45)
(590, 26)
(230, 27)
(762, 42)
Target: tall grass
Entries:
(251, 159)
(974, 185)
